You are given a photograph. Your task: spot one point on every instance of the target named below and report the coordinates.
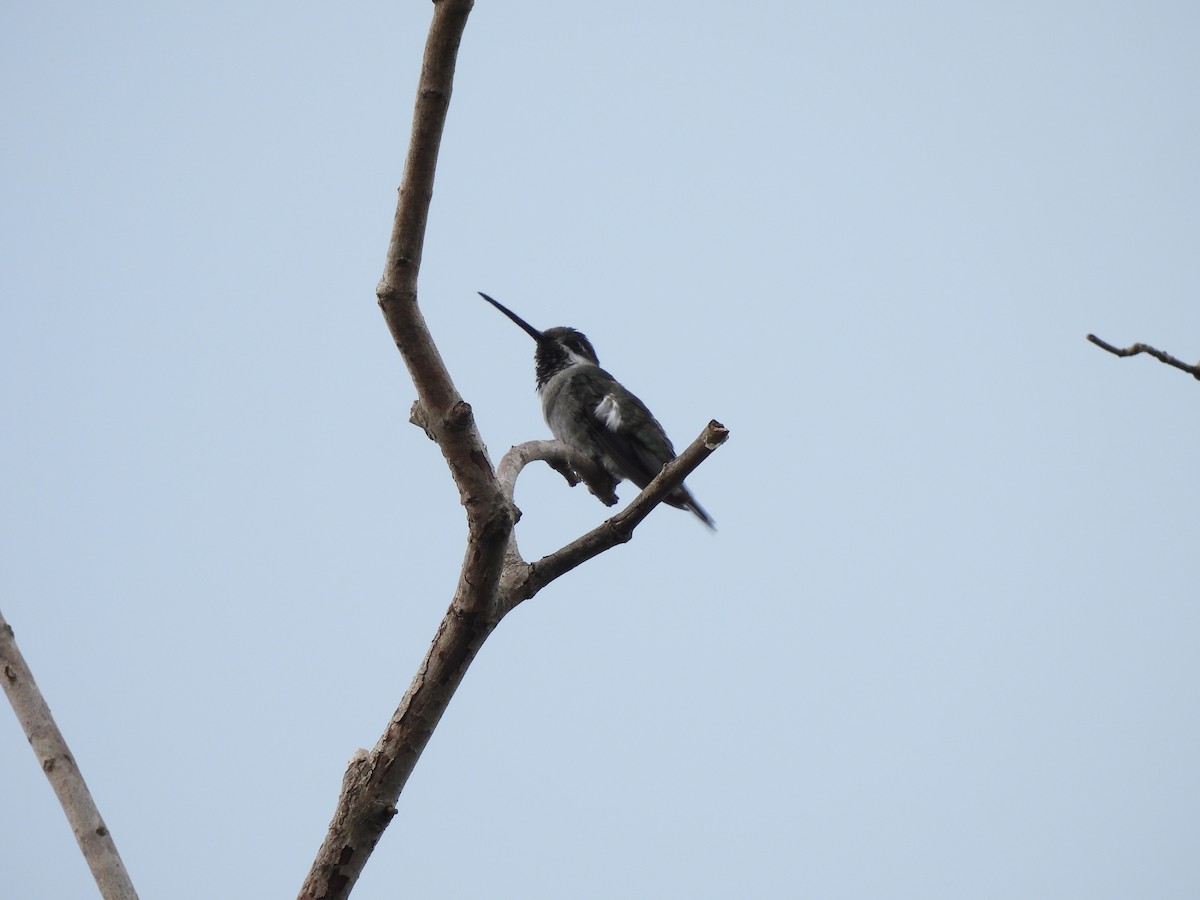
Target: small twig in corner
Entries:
(1135, 349)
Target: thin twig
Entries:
(1135, 349)
(570, 464)
(56, 761)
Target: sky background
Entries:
(944, 644)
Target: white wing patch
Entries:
(608, 412)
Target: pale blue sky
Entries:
(944, 643)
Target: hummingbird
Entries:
(590, 411)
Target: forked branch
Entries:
(492, 568)
(523, 581)
(373, 781)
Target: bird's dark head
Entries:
(574, 344)
(557, 348)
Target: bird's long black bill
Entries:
(530, 330)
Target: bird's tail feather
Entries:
(683, 499)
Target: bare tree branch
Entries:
(442, 412)
(568, 462)
(527, 580)
(373, 781)
(99, 849)
(1135, 349)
